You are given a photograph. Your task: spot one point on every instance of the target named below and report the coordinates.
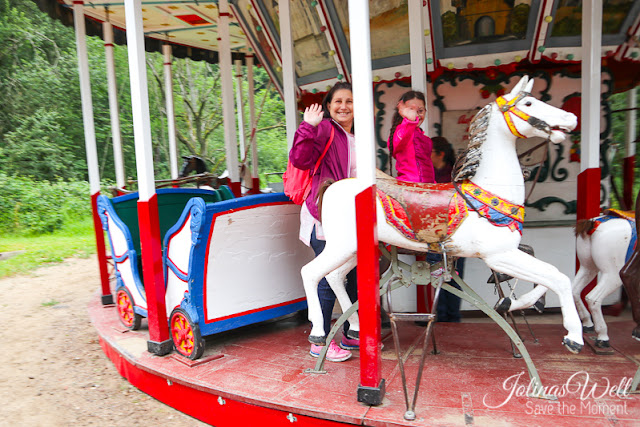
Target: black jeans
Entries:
(448, 308)
(325, 293)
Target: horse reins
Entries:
(508, 108)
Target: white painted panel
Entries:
(254, 260)
(179, 249)
(126, 274)
(118, 239)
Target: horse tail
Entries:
(323, 187)
(583, 227)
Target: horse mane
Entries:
(469, 160)
(583, 227)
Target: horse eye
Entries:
(528, 103)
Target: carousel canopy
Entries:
(458, 34)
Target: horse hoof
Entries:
(572, 346)
(539, 305)
(354, 335)
(602, 343)
(318, 340)
(588, 329)
(503, 305)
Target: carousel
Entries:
(207, 295)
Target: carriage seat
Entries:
(171, 203)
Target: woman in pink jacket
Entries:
(408, 144)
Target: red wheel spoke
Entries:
(182, 333)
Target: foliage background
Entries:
(42, 148)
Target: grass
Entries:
(74, 240)
(50, 303)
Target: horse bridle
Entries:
(508, 108)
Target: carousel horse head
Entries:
(514, 115)
(192, 163)
(528, 117)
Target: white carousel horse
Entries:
(490, 163)
(603, 250)
(603, 244)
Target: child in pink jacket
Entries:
(408, 144)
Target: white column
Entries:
(228, 114)
(362, 91)
(85, 96)
(252, 117)
(139, 99)
(240, 108)
(112, 87)
(288, 72)
(171, 119)
(417, 51)
(630, 137)
(591, 60)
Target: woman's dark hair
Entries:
(441, 145)
(329, 96)
(397, 118)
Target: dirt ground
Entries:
(52, 369)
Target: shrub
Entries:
(36, 207)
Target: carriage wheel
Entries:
(185, 335)
(124, 304)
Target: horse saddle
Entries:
(419, 211)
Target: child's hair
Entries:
(329, 96)
(441, 145)
(397, 118)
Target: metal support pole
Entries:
(288, 72)
(239, 106)
(372, 386)
(254, 125)
(107, 30)
(589, 177)
(417, 51)
(90, 145)
(228, 115)
(171, 120)
(150, 240)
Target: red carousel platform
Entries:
(256, 376)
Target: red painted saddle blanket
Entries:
(419, 211)
(429, 213)
(611, 214)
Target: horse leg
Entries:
(312, 273)
(524, 301)
(606, 285)
(584, 276)
(525, 267)
(337, 279)
(586, 273)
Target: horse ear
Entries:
(529, 86)
(520, 85)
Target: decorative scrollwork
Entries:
(570, 207)
(197, 213)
